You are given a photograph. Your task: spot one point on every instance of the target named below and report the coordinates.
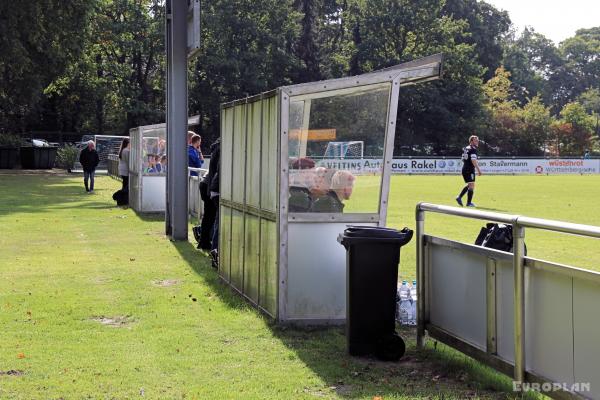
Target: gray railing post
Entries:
(420, 221)
(519, 299)
(491, 305)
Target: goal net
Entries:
(105, 145)
(345, 150)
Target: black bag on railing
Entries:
(496, 236)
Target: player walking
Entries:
(469, 158)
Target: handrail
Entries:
(194, 198)
(560, 226)
(467, 212)
(201, 171)
(527, 222)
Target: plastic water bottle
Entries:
(399, 297)
(413, 300)
(405, 304)
(398, 304)
(404, 290)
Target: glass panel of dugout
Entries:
(336, 145)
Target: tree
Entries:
(590, 100)
(434, 116)
(118, 81)
(247, 48)
(536, 125)
(498, 91)
(503, 122)
(532, 60)
(514, 130)
(393, 31)
(38, 40)
(577, 138)
(306, 47)
(581, 69)
(486, 27)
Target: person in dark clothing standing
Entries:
(213, 187)
(89, 161)
(210, 209)
(124, 164)
(470, 164)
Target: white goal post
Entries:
(105, 145)
(345, 150)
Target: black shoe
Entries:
(214, 255)
(196, 230)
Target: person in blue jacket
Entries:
(195, 158)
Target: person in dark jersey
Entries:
(470, 165)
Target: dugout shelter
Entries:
(147, 184)
(276, 246)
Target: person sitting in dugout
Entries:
(342, 184)
(151, 165)
(301, 180)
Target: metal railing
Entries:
(519, 262)
(112, 165)
(195, 204)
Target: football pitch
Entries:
(568, 198)
(96, 303)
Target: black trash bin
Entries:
(372, 258)
(38, 157)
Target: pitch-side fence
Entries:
(532, 319)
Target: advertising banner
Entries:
(489, 166)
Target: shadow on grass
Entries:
(199, 262)
(37, 193)
(151, 217)
(441, 373)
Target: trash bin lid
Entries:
(362, 234)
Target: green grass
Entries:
(564, 198)
(69, 261)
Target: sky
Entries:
(555, 19)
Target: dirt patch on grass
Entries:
(166, 282)
(119, 321)
(100, 280)
(424, 371)
(343, 390)
(12, 372)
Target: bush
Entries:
(10, 140)
(66, 157)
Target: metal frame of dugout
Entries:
(147, 191)
(288, 262)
